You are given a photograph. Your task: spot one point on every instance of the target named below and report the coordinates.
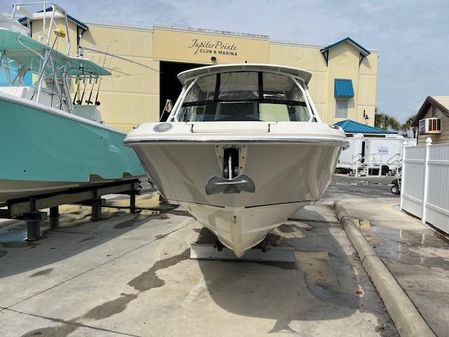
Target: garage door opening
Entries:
(170, 87)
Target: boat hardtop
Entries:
(29, 52)
(190, 74)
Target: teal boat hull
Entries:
(44, 149)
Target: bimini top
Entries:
(27, 51)
(187, 75)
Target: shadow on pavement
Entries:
(321, 285)
(72, 234)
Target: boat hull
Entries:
(44, 149)
(287, 176)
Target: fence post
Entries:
(402, 176)
(426, 180)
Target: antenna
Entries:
(120, 57)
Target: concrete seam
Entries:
(402, 310)
(62, 321)
(95, 267)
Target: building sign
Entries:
(216, 47)
(203, 48)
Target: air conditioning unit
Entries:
(429, 125)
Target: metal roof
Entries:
(365, 52)
(350, 126)
(223, 68)
(343, 88)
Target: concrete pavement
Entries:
(415, 254)
(130, 275)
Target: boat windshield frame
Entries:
(298, 82)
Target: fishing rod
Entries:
(88, 101)
(77, 82)
(80, 101)
(97, 102)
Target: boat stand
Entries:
(207, 251)
(33, 220)
(28, 209)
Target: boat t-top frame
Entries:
(50, 12)
(53, 70)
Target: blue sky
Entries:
(412, 37)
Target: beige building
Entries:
(432, 120)
(343, 84)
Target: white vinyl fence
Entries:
(425, 183)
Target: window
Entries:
(13, 73)
(202, 90)
(245, 96)
(238, 86)
(341, 108)
(434, 124)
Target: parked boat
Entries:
(243, 149)
(51, 141)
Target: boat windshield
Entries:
(244, 96)
(13, 73)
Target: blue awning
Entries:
(343, 88)
(350, 126)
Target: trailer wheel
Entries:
(395, 189)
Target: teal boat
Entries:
(49, 140)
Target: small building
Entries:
(432, 120)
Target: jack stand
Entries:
(54, 212)
(96, 209)
(132, 202)
(33, 220)
(54, 216)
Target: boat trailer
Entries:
(263, 252)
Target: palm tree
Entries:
(409, 125)
(385, 121)
(379, 120)
(393, 123)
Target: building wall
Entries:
(131, 95)
(310, 59)
(38, 34)
(343, 63)
(443, 137)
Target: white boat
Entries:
(242, 150)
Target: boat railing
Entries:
(49, 14)
(363, 164)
